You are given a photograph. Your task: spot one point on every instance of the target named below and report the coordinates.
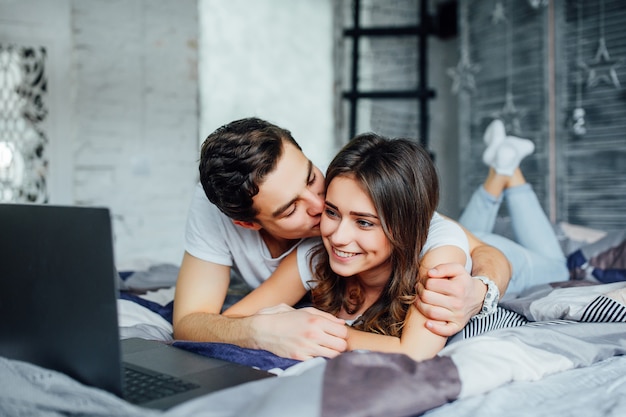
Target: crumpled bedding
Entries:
(574, 345)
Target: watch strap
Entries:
(490, 303)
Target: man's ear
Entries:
(247, 225)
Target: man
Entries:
(260, 198)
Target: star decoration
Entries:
(463, 76)
(602, 68)
(498, 14)
(510, 115)
(535, 4)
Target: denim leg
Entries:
(529, 268)
(537, 258)
(530, 224)
(479, 216)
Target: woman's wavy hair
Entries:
(234, 161)
(401, 179)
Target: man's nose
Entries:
(315, 203)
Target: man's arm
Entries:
(200, 292)
(450, 303)
(201, 288)
(490, 262)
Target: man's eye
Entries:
(292, 211)
(312, 180)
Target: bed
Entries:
(568, 359)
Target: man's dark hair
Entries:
(234, 161)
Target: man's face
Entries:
(291, 198)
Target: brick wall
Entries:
(135, 144)
(135, 85)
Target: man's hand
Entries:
(449, 298)
(299, 334)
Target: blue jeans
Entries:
(536, 257)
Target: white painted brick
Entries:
(135, 147)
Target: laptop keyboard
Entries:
(141, 386)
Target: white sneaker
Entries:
(493, 137)
(510, 154)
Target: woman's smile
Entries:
(343, 254)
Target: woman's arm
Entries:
(451, 297)
(416, 341)
(298, 334)
(282, 287)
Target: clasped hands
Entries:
(447, 298)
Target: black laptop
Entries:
(58, 310)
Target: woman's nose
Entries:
(341, 234)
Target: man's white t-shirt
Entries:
(442, 232)
(212, 236)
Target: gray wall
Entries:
(579, 178)
(391, 63)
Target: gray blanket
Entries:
(577, 334)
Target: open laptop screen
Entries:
(57, 291)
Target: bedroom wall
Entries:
(392, 63)
(135, 85)
(136, 119)
(121, 111)
(548, 56)
(271, 59)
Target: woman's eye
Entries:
(365, 223)
(312, 180)
(330, 213)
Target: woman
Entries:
(380, 231)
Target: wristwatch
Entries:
(490, 304)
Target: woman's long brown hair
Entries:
(401, 180)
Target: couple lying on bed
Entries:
(380, 232)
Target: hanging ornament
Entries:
(579, 127)
(535, 4)
(509, 113)
(463, 73)
(602, 68)
(498, 15)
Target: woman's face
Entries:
(352, 232)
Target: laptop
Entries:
(58, 310)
